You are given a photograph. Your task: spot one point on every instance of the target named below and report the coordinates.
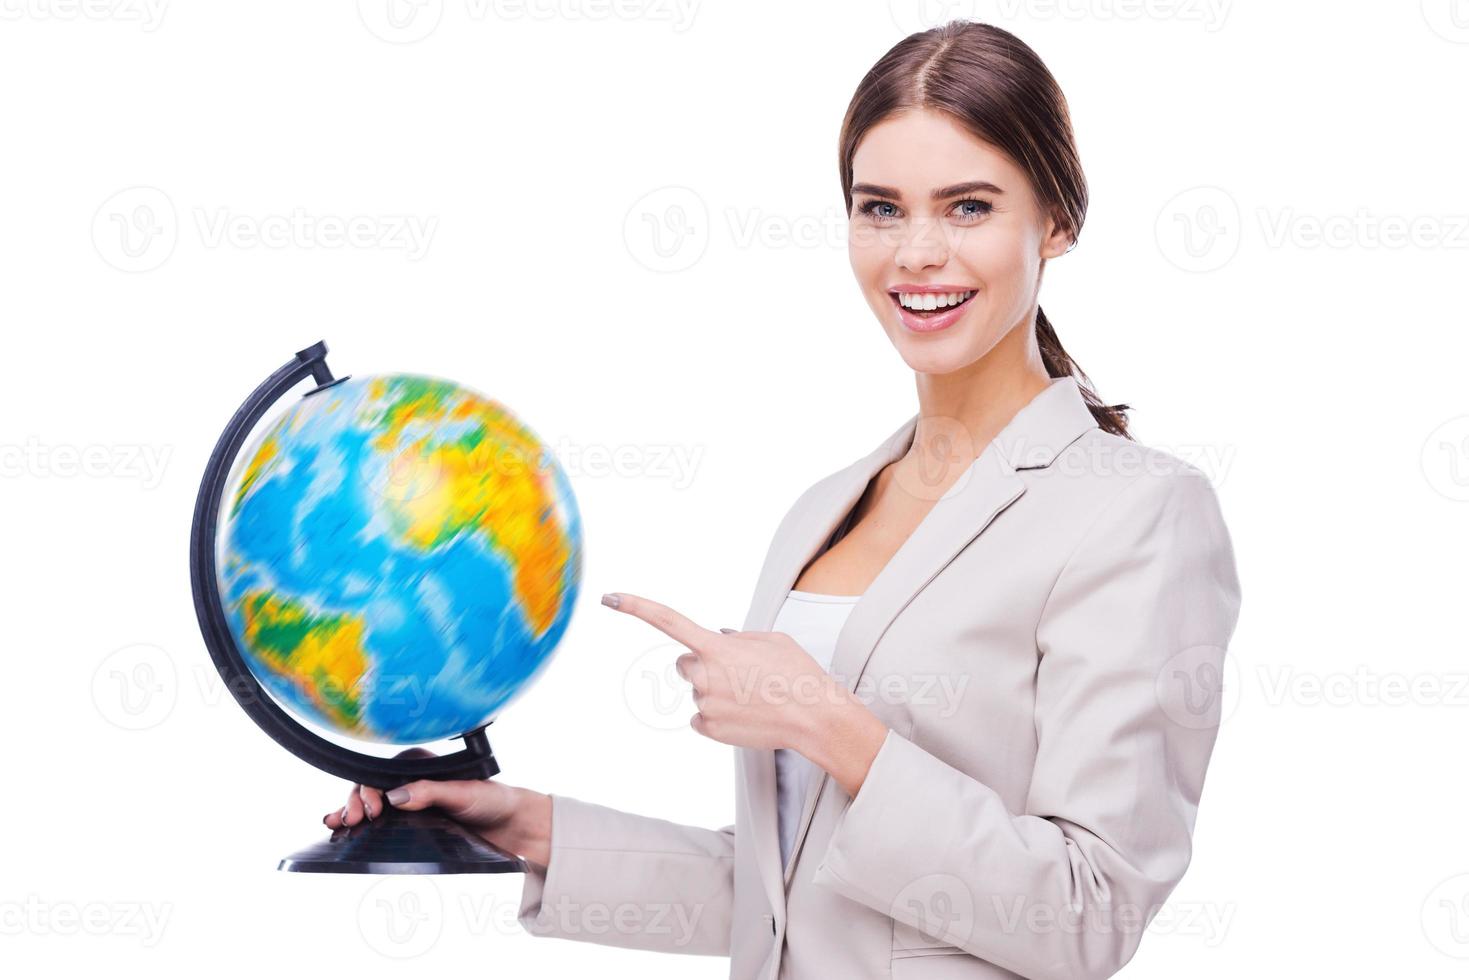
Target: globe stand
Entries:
(399, 841)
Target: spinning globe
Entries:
(398, 558)
(393, 558)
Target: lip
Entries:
(931, 324)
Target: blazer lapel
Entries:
(1036, 434)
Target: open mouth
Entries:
(927, 305)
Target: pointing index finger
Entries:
(668, 621)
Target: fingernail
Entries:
(398, 796)
(726, 629)
(343, 815)
(612, 599)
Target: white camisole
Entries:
(813, 620)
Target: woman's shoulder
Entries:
(1103, 478)
(1101, 461)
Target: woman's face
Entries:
(937, 212)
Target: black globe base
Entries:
(404, 842)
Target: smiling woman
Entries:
(957, 156)
(977, 687)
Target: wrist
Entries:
(528, 831)
(843, 737)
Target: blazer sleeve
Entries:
(619, 879)
(1131, 643)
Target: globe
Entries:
(398, 558)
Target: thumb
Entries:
(451, 795)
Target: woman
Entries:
(977, 688)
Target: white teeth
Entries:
(933, 301)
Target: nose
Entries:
(922, 247)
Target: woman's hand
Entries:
(763, 691)
(509, 817)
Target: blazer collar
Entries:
(1033, 438)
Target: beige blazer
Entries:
(1046, 650)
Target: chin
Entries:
(942, 353)
(934, 356)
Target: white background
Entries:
(631, 232)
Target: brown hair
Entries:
(996, 87)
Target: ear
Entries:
(1058, 236)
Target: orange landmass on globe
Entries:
(489, 481)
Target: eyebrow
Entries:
(968, 187)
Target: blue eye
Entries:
(981, 209)
(870, 207)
